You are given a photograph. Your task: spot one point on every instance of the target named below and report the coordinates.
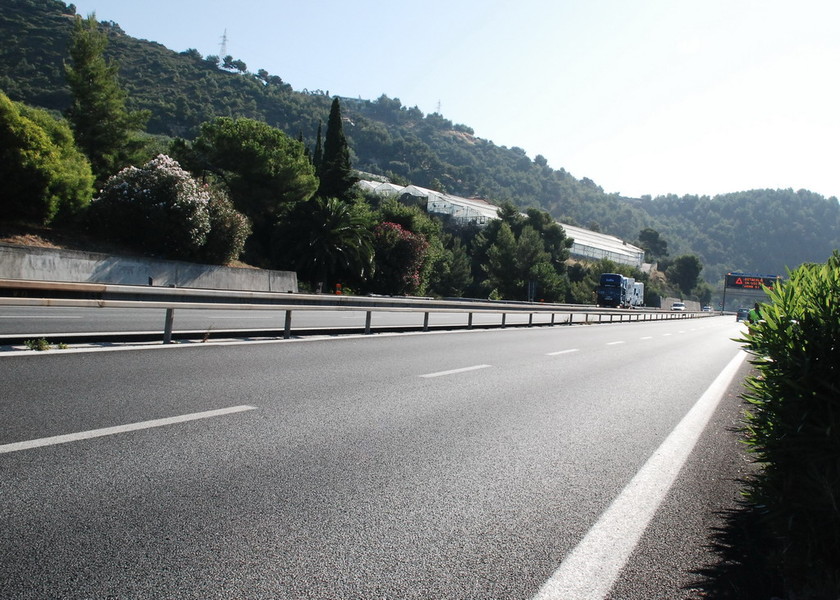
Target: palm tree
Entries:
(326, 241)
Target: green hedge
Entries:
(43, 176)
(793, 426)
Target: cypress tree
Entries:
(305, 148)
(101, 123)
(318, 155)
(336, 173)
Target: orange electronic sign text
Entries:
(743, 281)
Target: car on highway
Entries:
(678, 306)
(707, 308)
(743, 314)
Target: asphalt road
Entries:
(456, 465)
(49, 321)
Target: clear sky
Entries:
(641, 96)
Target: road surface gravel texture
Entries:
(449, 465)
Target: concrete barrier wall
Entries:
(49, 264)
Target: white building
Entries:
(589, 245)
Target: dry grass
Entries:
(46, 237)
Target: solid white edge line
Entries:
(590, 570)
(454, 371)
(94, 433)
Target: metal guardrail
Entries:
(16, 292)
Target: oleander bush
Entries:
(160, 210)
(229, 229)
(157, 209)
(793, 426)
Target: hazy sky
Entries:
(641, 96)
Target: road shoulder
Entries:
(703, 541)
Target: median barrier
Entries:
(17, 292)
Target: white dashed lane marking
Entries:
(455, 371)
(94, 433)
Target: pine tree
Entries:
(318, 155)
(335, 172)
(101, 123)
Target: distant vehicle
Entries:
(637, 295)
(617, 291)
(678, 306)
(707, 308)
(743, 314)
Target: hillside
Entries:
(758, 230)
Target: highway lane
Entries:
(46, 321)
(459, 465)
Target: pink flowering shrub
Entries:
(399, 257)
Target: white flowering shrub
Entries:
(158, 209)
(229, 229)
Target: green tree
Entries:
(265, 172)
(501, 267)
(523, 256)
(326, 241)
(554, 238)
(510, 214)
(100, 120)
(534, 268)
(336, 173)
(548, 285)
(684, 272)
(451, 275)
(652, 243)
(318, 153)
(42, 174)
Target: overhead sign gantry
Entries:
(749, 283)
(744, 281)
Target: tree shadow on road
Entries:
(742, 570)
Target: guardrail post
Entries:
(552, 318)
(426, 321)
(287, 326)
(530, 319)
(504, 318)
(168, 322)
(167, 325)
(469, 321)
(367, 322)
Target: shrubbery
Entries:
(794, 425)
(159, 209)
(42, 174)
(399, 258)
(229, 229)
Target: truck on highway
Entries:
(617, 291)
(637, 297)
